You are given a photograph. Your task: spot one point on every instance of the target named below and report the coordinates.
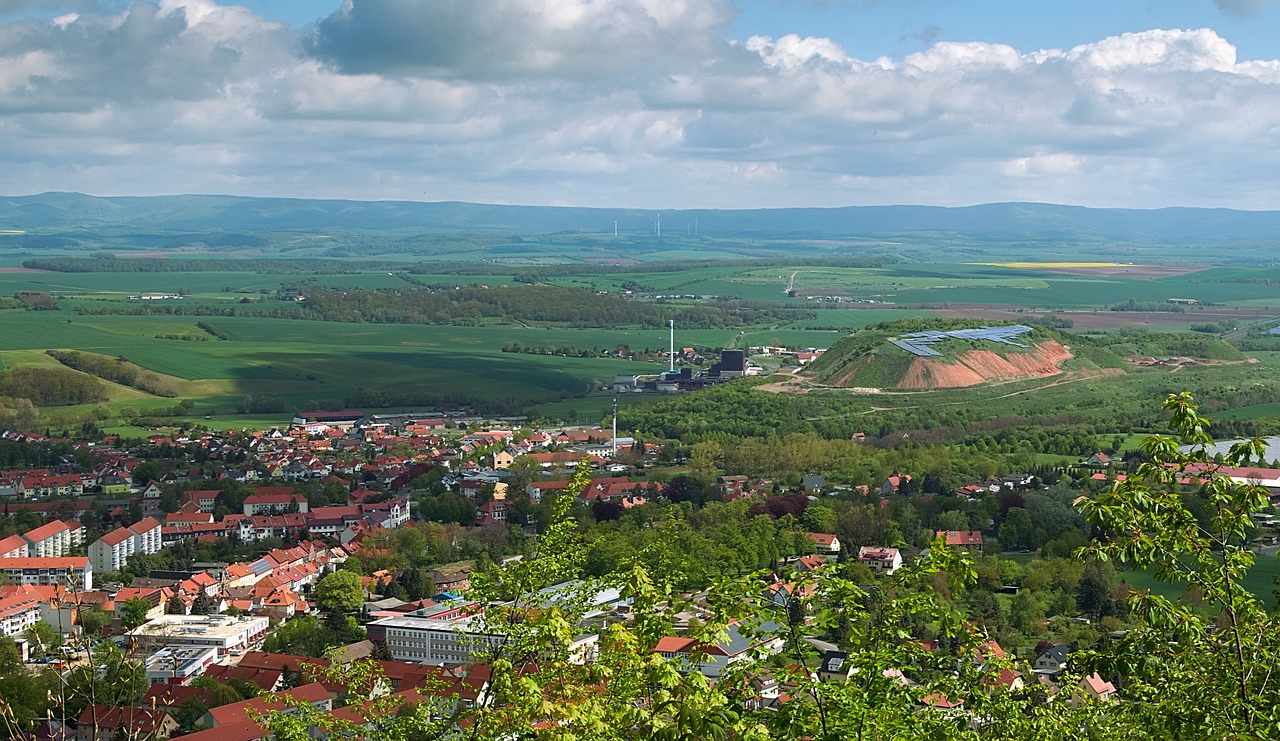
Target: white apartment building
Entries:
(49, 541)
(18, 611)
(73, 571)
(112, 551)
(14, 546)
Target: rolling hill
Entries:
(996, 221)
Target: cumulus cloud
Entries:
(622, 103)
(518, 38)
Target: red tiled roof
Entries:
(1099, 685)
(239, 711)
(45, 531)
(245, 730)
(117, 536)
(108, 716)
(673, 644)
(960, 537)
(146, 524)
(74, 562)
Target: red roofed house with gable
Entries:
(966, 539)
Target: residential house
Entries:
(970, 540)
(206, 499)
(1053, 660)
(108, 722)
(1097, 688)
(893, 484)
(835, 667)
(826, 543)
(879, 559)
(275, 500)
(150, 498)
(238, 712)
(31, 487)
(712, 660)
(503, 459)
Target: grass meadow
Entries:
(302, 360)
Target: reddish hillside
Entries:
(979, 366)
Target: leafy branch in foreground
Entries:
(1206, 670)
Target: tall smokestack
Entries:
(671, 355)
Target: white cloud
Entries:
(622, 102)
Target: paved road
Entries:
(821, 645)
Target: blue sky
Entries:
(650, 103)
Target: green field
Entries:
(300, 361)
(1259, 581)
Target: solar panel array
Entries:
(918, 343)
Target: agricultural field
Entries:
(299, 361)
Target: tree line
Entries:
(117, 370)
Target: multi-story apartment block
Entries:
(112, 551)
(14, 546)
(49, 541)
(73, 571)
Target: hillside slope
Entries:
(974, 367)
(868, 359)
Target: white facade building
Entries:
(223, 632)
(179, 664)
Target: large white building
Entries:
(428, 640)
(179, 664)
(19, 610)
(223, 632)
(425, 640)
(112, 551)
(14, 546)
(54, 540)
(70, 571)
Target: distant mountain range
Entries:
(1001, 221)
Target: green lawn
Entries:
(1258, 581)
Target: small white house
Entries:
(879, 559)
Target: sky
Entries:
(647, 103)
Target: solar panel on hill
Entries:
(921, 350)
(918, 343)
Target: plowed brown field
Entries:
(979, 366)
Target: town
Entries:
(231, 566)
